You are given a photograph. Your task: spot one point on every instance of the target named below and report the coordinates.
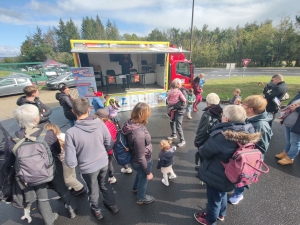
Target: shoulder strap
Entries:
(42, 136)
(28, 132)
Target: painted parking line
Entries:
(274, 70)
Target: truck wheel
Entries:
(60, 85)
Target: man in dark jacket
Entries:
(31, 97)
(66, 101)
(86, 146)
(274, 93)
(176, 124)
(220, 146)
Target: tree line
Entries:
(265, 43)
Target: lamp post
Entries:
(192, 30)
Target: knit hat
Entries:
(101, 113)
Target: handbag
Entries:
(291, 119)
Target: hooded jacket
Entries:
(212, 115)
(87, 144)
(220, 146)
(67, 103)
(165, 158)
(44, 116)
(139, 142)
(260, 123)
(97, 103)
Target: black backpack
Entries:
(122, 154)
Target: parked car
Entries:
(61, 80)
(13, 85)
(50, 73)
(19, 75)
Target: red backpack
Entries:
(245, 165)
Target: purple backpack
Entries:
(245, 165)
(34, 163)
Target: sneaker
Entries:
(189, 117)
(182, 143)
(235, 199)
(55, 216)
(172, 176)
(97, 214)
(112, 180)
(285, 161)
(221, 218)
(165, 182)
(76, 193)
(128, 170)
(147, 200)
(200, 218)
(172, 137)
(113, 208)
(281, 155)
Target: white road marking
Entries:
(220, 75)
(274, 70)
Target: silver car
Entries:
(13, 85)
(61, 80)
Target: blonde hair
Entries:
(176, 83)
(53, 127)
(235, 113)
(257, 102)
(238, 90)
(201, 75)
(212, 99)
(140, 113)
(165, 144)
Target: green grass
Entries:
(4, 73)
(249, 86)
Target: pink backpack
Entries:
(245, 165)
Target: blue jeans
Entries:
(140, 182)
(216, 204)
(292, 146)
(189, 108)
(72, 123)
(239, 190)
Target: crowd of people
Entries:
(88, 143)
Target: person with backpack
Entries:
(176, 124)
(40, 146)
(31, 97)
(65, 100)
(139, 143)
(219, 148)
(211, 116)
(86, 146)
(255, 107)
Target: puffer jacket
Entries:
(139, 142)
(212, 115)
(67, 103)
(296, 127)
(165, 158)
(44, 110)
(220, 146)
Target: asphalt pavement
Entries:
(217, 73)
(274, 200)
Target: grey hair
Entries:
(278, 77)
(213, 99)
(27, 115)
(235, 113)
(176, 81)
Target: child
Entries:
(202, 81)
(102, 114)
(238, 101)
(165, 161)
(287, 110)
(106, 100)
(175, 101)
(236, 94)
(113, 109)
(69, 174)
(190, 101)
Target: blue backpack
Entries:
(122, 153)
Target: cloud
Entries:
(9, 51)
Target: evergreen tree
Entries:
(99, 29)
(61, 37)
(87, 29)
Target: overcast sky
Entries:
(19, 18)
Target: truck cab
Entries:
(181, 68)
